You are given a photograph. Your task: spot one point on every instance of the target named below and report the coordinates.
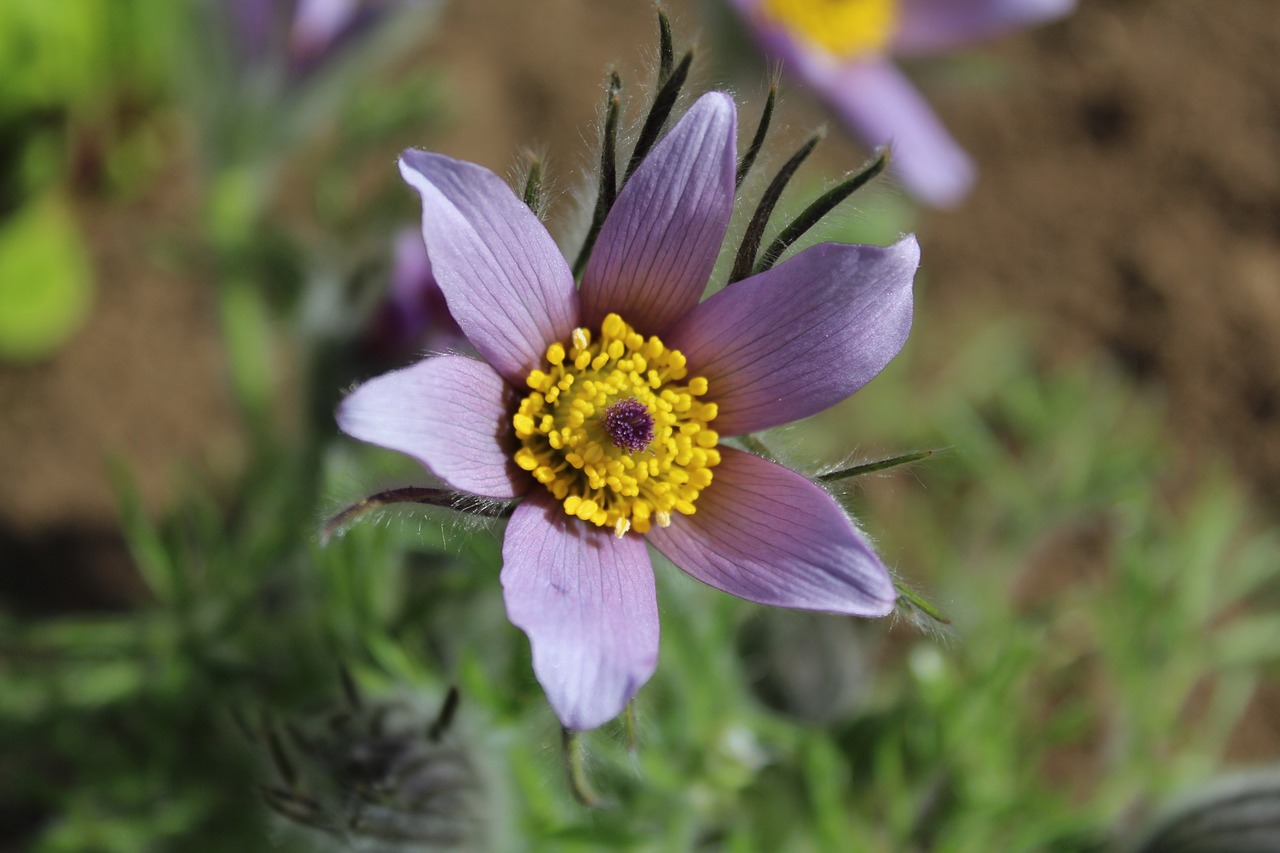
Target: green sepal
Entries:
(664, 100)
(757, 141)
(426, 495)
(878, 465)
(820, 207)
(608, 191)
(751, 239)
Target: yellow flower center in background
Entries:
(615, 430)
(845, 28)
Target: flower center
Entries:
(614, 429)
(629, 424)
(844, 28)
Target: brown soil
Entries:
(1129, 201)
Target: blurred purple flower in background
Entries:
(842, 49)
(602, 407)
(305, 33)
(414, 318)
(317, 24)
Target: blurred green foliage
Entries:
(73, 75)
(63, 55)
(46, 284)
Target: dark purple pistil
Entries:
(629, 425)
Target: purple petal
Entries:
(587, 601)
(929, 26)
(879, 104)
(767, 534)
(452, 414)
(255, 24)
(656, 249)
(318, 23)
(883, 107)
(411, 268)
(803, 336)
(506, 283)
(414, 317)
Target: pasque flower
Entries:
(304, 34)
(842, 49)
(414, 317)
(602, 407)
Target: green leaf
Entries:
(46, 284)
(247, 330)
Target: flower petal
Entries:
(414, 317)
(318, 23)
(929, 26)
(506, 283)
(657, 247)
(802, 336)
(883, 107)
(767, 534)
(452, 414)
(587, 601)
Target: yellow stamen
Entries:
(565, 445)
(845, 28)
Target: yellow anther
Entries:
(844, 28)
(601, 469)
(614, 327)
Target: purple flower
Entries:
(603, 407)
(841, 49)
(317, 24)
(414, 317)
(305, 34)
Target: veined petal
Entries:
(883, 106)
(587, 601)
(506, 283)
(767, 534)
(789, 342)
(452, 414)
(657, 247)
(929, 26)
